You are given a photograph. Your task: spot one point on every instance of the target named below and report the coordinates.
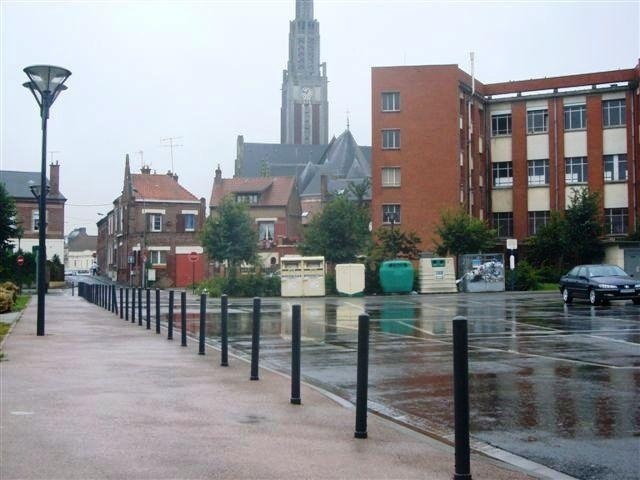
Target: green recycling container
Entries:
(396, 276)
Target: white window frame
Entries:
(248, 198)
(192, 218)
(538, 121)
(391, 208)
(533, 172)
(35, 220)
(153, 217)
(537, 219)
(391, 176)
(501, 124)
(391, 139)
(580, 122)
(576, 170)
(158, 257)
(615, 162)
(504, 219)
(502, 174)
(616, 221)
(390, 101)
(614, 112)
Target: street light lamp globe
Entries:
(47, 80)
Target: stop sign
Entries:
(193, 257)
(20, 260)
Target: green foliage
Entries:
(23, 275)
(7, 220)
(393, 243)
(330, 284)
(56, 269)
(526, 277)
(635, 236)
(359, 191)
(339, 233)
(229, 235)
(461, 233)
(372, 279)
(572, 239)
(254, 285)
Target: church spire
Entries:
(304, 9)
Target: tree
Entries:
(393, 243)
(359, 191)
(7, 219)
(229, 235)
(461, 233)
(340, 232)
(549, 245)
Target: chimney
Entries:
(218, 177)
(82, 231)
(54, 179)
(146, 170)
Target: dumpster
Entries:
(482, 272)
(350, 279)
(437, 275)
(396, 276)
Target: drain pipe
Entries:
(555, 147)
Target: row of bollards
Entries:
(106, 297)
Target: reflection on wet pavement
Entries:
(555, 384)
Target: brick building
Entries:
(508, 152)
(274, 205)
(80, 250)
(27, 215)
(155, 219)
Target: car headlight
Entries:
(637, 285)
(606, 285)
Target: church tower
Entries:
(305, 108)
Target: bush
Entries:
(11, 288)
(526, 277)
(549, 274)
(330, 284)
(56, 269)
(6, 300)
(254, 285)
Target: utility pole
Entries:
(171, 145)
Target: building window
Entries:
(35, 219)
(537, 121)
(251, 198)
(391, 177)
(502, 174)
(266, 231)
(503, 223)
(575, 170)
(390, 101)
(575, 117)
(501, 124)
(614, 113)
(155, 222)
(615, 221)
(189, 222)
(158, 257)
(391, 212)
(391, 139)
(538, 172)
(537, 220)
(615, 168)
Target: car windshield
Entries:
(606, 271)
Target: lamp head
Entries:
(47, 81)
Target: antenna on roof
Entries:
(171, 146)
(348, 119)
(51, 152)
(141, 153)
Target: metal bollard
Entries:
(121, 313)
(255, 340)
(295, 355)
(461, 398)
(140, 306)
(133, 305)
(157, 310)
(170, 320)
(183, 319)
(148, 309)
(224, 314)
(203, 319)
(126, 305)
(73, 289)
(363, 376)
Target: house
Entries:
(509, 153)
(274, 206)
(154, 221)
(80, 250)
(18, 186)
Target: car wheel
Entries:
(636, 301)
(566, 296)
(593, 297)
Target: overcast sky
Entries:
(208, 71)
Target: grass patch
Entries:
(21, 303)
(4, 328)
(547, 286)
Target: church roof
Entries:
(342, 159)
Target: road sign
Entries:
(193, 257)
(512, 243)
(20, 260)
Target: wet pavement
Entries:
(556, 384)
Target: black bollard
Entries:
(203, 318)
(120, 312)
(170, 320)
(363, 376)
(140, 306)
(148, 309)
(157, 310)
(461, 398)
(133, 305)
(73, 289)
(255, 340)
(126, 305)
(295, 355)
(224, 314)
(183, 319)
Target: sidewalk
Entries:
(101, 398)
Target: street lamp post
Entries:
(45, 82)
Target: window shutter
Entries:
(179, 223)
